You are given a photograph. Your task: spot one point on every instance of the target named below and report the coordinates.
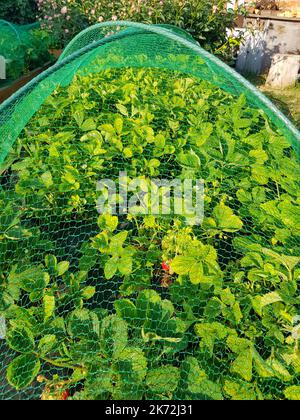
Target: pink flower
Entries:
(114, 17)
(215, 9)
(64, 10)
(93, 11)
(66, 31)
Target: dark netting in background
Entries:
(15, 41)
(135, 306)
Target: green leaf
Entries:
(123, 110)
(288, 261)
(189, 160)
(196, 274)
(89, 258)
(114, 334)
(88, 125)
(47, 179)
(209, 389)
(119, 125)
(100, 242)
(262, 367)
(197, 381)
(243, 365)
(93, 135)
(182, 264)
(259, 302)
(160, 141)
(226, 219)
(239, 391)
(252, 259)
(83, 323)
(46, 344)
(227, 297)
(125, 265)
(20, 339)
(62, 268)
(126, 309)
(237, 313)
(23, 370)
(163, 379)
(292, 393)
(109, 222)
(212, 309)
(154, 163)
(78, 116)
(211, 332)
(118, 240)
(128, 152)
(85, 351)
(51, 264)
(144, 304)
(260, 174)
(111, 267)
(49, 306)
(201, 136)
(88, 292)
(32, 280)
(260, 156)
(131, 363)
(238, 345)
(281, 372)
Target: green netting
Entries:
(190, 292)
(21, 48)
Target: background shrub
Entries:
(208, 22)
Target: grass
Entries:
(287, 100)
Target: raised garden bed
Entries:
(13, 86)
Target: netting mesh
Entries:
(21, 48)
(145, 301)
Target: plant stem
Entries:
(61, 365)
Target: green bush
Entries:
(139, 306)
(206, 21)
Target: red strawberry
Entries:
(65, 395)
(165, 266)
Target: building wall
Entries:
(266, 38)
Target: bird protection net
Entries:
(22, 49)
(149, 227)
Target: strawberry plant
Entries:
(144, 305)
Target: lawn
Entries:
(287, 100)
